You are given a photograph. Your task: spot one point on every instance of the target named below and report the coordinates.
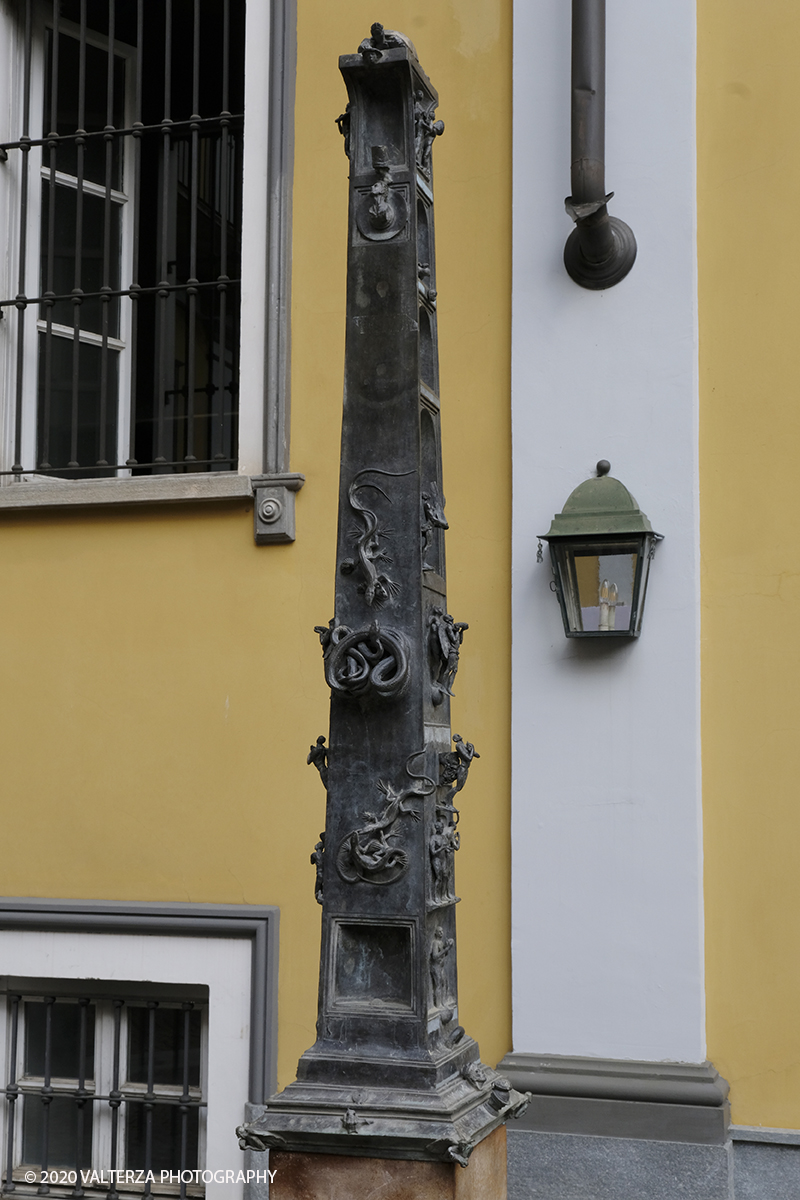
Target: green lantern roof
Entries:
(601, 506)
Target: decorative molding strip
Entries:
(258, 923)
(50, 493)
(280, 174)
(758, 1133)
(673, 1102)
(616, 1079)
(291, 480)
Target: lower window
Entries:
(104, 1079)
(110, 988)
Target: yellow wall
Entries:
(749, 265)
(162, 678)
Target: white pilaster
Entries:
(607, 902)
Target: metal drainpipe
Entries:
(601, 249)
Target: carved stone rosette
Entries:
(392, 1072)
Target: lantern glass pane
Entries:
(647, 554)
(605, 590)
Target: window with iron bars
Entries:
(128, 195)
(102, 1082)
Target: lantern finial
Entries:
(603, 467)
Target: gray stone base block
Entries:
(766, 1163)
(562, 1166)
(628, 1119)
(766, 1172)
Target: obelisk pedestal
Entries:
(334, 1177)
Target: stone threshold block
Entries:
(337, 1177)
(766, 1163)
(563, 1166)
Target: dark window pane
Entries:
(166, 1138)
(169, 422)
(62, 1138)
(94, 157)
(58, 444)
(92, 273)
(185, 350)
(211, 74)
(64, 1040)
(97, 17)
(167, 1046)
(163, 404)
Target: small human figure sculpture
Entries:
(429, 293)
(446, 638)
(343, 125)
(316, 861)
(438, 848)
(465, 752)
(453, 842)
(381, 212)
(444, 841)
(425, 130)
(454, 634)
(318, 757)
(440, 948)
(434, 518)
(381, 39)
(454, 767)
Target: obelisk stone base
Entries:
(336, 1177)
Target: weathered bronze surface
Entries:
(392, 1073)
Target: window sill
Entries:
(164, 489)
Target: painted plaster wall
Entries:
(607, 919)
(749, 258)
(162, 678)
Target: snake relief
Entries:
(369, 853)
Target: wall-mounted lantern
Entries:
(601, 546)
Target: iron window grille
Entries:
(101, 1082)
(125, 355)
